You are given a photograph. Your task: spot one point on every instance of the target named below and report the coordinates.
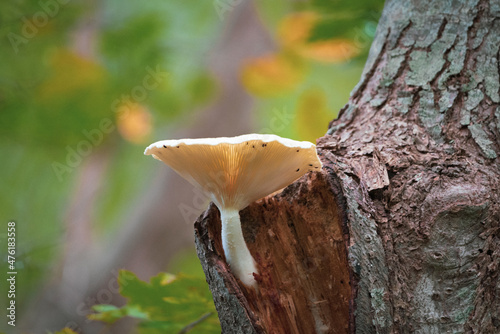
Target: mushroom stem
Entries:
(237, 254)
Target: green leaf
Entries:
(110, 313)
(104, 308)
(346, 19)
(106, 313)
(167, 303)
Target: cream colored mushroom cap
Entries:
(237, 171)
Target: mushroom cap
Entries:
(237, 171)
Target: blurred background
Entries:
(85, 86)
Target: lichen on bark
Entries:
(436, 137)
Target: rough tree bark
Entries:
(400, 231)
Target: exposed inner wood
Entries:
(298, 241)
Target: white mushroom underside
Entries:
(235, 172)
(239, 170)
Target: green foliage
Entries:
(50, 91)
(30, 196)
(27, 41)
(167, 304)
(348, 19)
(136, 40)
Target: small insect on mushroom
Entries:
(236, 174)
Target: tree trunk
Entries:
(400, 231)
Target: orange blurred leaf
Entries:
(294, 32)
(134, 122)
(330, 51)
(296, 28)
(272, 75)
